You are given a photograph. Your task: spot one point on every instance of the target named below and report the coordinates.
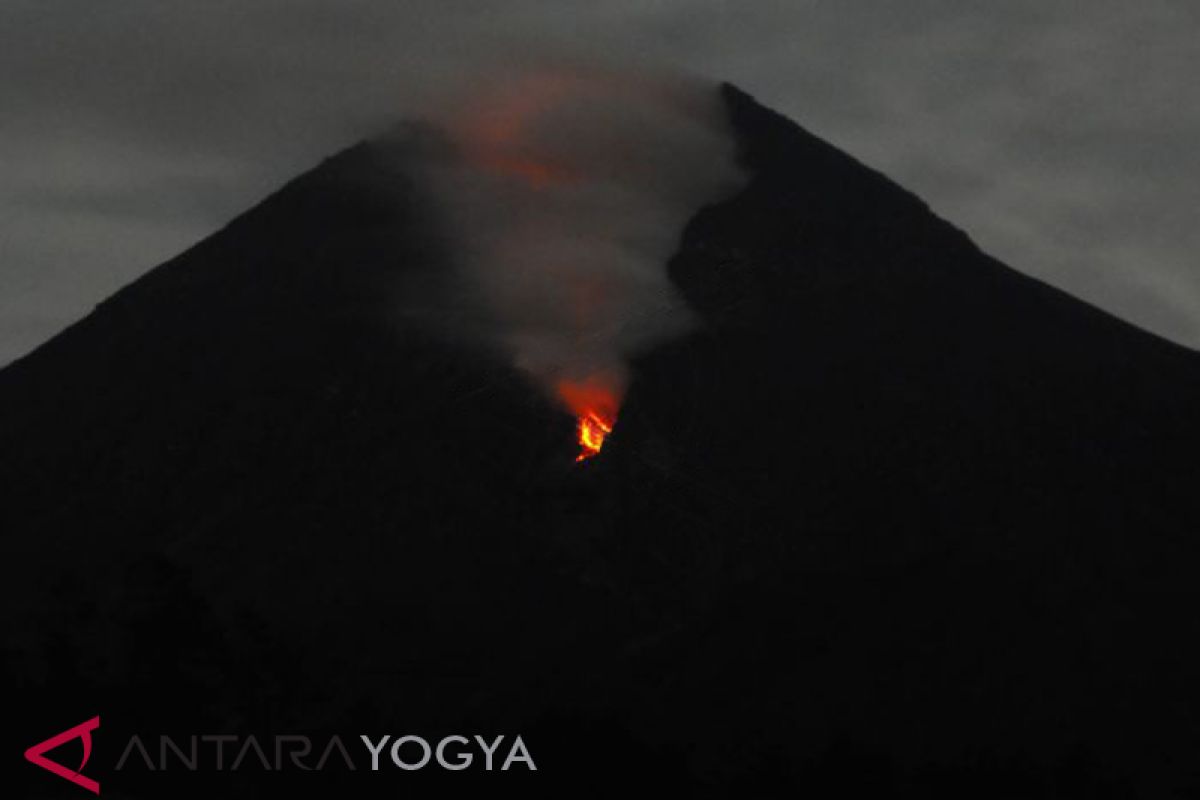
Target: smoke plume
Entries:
(566, 190)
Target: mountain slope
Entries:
(895, 517)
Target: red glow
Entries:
(594, 402)
(499, 133)
(510, 132)
(592, 430)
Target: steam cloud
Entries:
(566, 191)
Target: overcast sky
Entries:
(1062, 135)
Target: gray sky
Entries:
(1062, 135)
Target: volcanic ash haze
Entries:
(566, 191)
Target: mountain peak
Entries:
(891, 514)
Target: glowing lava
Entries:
(594, 402)
(592, 430)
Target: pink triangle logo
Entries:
(83, 732)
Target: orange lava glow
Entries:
(594, 402)
(592, 430)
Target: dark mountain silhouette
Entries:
(896, 518)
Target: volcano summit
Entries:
(886, 516)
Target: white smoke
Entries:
(566, 191)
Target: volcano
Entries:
(893, 517)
